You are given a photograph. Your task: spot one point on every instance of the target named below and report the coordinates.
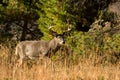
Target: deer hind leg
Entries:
(17, 65)
(20, 61)
(22, 57)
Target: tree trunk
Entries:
(24, 30)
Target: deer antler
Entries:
(52, 32)
(68, 30)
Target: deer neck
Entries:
(53, 44)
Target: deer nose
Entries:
(63, 42)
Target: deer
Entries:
(40, 48)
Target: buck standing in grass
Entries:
(38, 49)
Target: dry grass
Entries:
(84, 70)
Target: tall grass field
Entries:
(47, 69)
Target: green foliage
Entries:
(113, 43)
(51, 14)
(96, 43)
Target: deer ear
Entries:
(54, 34)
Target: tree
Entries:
(52, 13)
(19, 18)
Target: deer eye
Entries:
(59, 37)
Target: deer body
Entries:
(37, 49)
